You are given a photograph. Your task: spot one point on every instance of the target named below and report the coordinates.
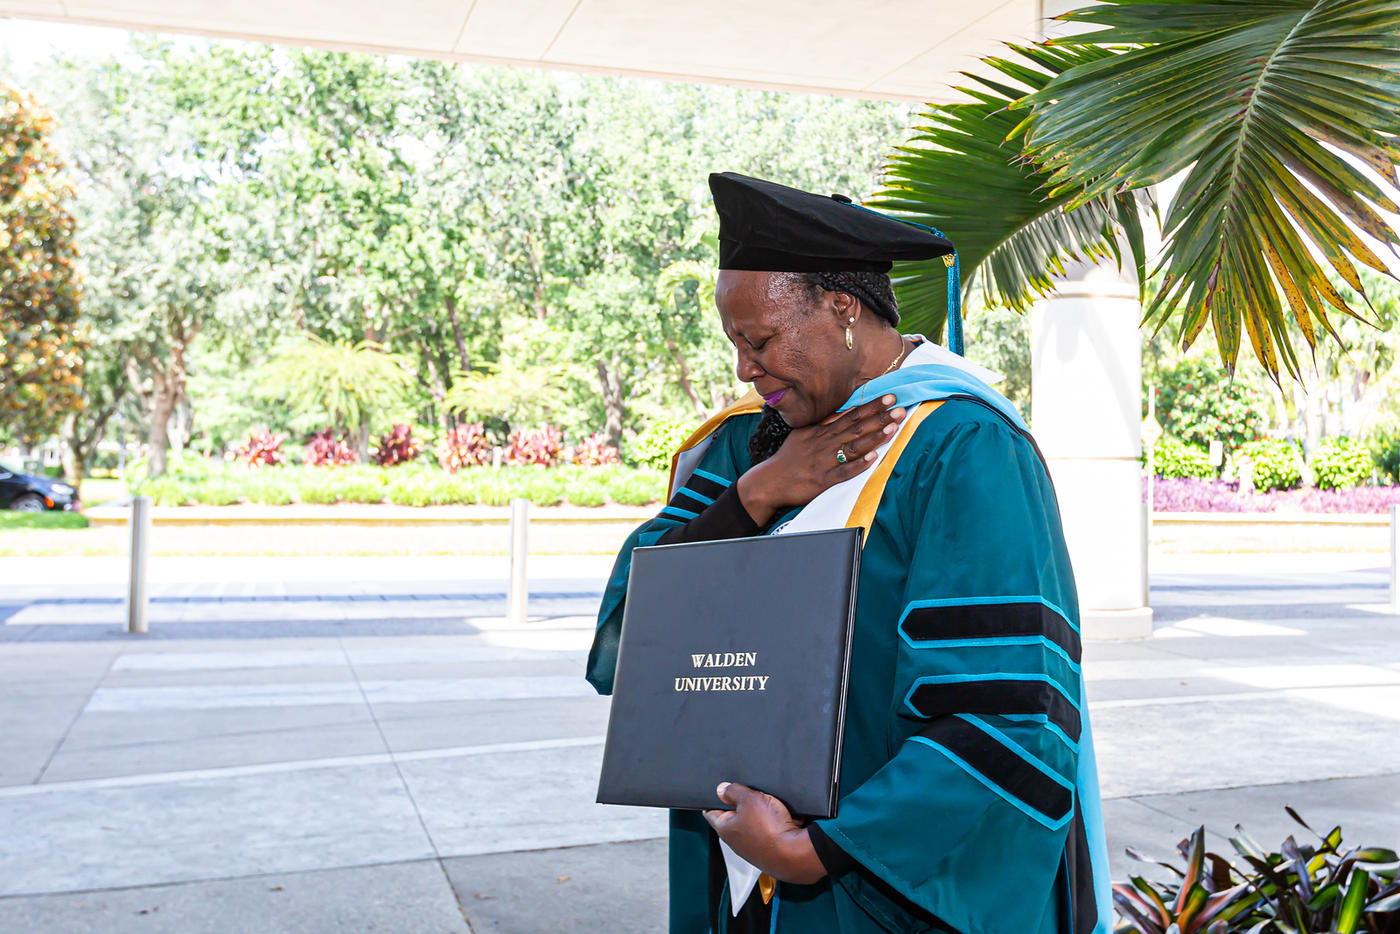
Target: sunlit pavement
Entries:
(354, 744)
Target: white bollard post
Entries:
(519, 549)
(1146, 554)
(136, 595)
(1395, 559)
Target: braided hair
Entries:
(770, 434)
(873, 289)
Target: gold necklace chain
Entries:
(903, 349)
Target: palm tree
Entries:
(350, 382)
(1279, 116)
(505, 391)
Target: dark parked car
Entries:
(30, 493)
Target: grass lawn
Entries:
(98, 490)
(42, 520)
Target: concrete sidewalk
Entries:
(365, 745)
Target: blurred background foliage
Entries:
(252, 224)
(523, 249)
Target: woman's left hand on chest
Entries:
(763, 831)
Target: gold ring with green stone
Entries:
(840, 456)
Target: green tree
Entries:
(999, 339)
(41, 339)
(163, 255)
(688, 321)
(1348, 388)
(579, 200)
(1198, 402)
(471, 221)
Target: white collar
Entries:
(928, 352)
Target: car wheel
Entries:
(28, 502)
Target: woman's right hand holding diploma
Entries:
(763, 831)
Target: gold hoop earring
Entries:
(850, 344)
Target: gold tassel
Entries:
(767, 885)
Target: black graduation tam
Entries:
(773, 228)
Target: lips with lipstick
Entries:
(772, 398)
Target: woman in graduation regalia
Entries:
(969, 799)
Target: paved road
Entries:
(359, 744)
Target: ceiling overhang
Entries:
(895, 49)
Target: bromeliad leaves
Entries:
(1301, 889)
(962, 171)
(1283, 116)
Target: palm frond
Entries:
(963, 172)
(682, 273)
(504, 390)
(1282, 115)
(349, 382)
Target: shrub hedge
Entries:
(654, 446)
(1174, 460)
(1384, 444)
(411, 485)
(1339, 464)
(1277, 464)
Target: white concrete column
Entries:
(1086, 384)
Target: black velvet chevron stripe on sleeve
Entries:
(934, 624)
(998, 696)
(698, 490)
(1033, 788)
(725, 518)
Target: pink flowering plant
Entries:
(595, 451)
(262, 448)
(1190, 495)
(464, 446)
(540, 447)
(326, 450)
(397, 447)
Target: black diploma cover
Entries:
(732, 666)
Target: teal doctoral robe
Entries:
(969, 797)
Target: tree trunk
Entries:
(613, 408)
(158, 433)
(536, 279)
(78, 446)
(169, 383)
(451, 305)
(686, 386)
(436, 385)
(74, 455)
(181, 423)
(362, 441)
(168, 378)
